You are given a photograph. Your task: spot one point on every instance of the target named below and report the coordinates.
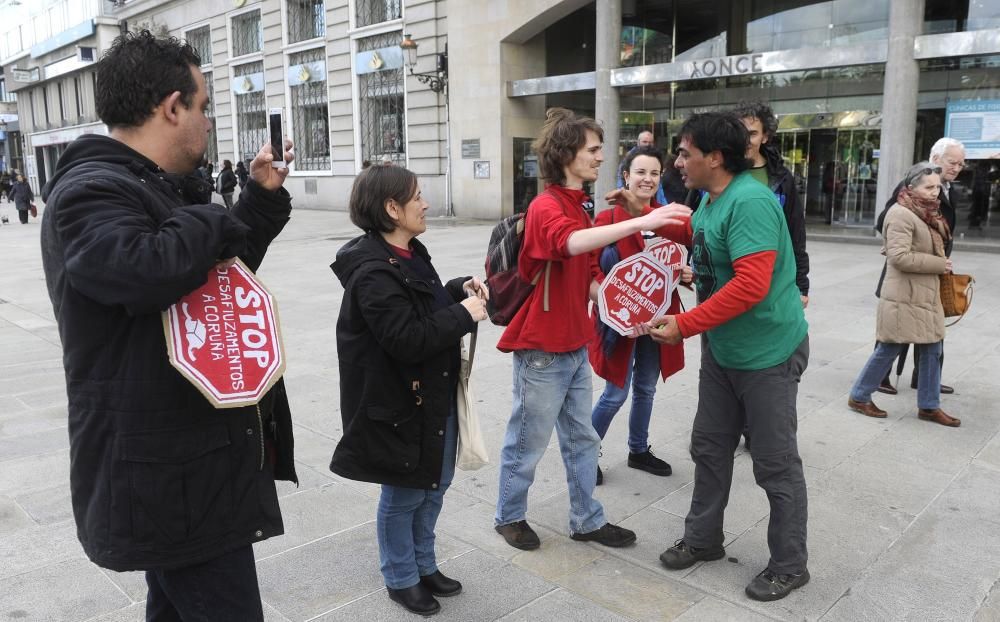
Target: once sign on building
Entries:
(224, 338)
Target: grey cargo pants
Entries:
(765, 400)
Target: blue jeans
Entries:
(550, 390)
(642, 375)
(406, 520)
(879, 363)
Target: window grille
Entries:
(382, 117)
(306, 20)
(212, 152)
(310, 118)
(201, 40)
(251, 117)
(376, 11)
(247, 34)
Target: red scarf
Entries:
(929, 211)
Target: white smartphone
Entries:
(277, 138)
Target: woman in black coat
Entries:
(23, 196)
(398, 340)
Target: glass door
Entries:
(855, 176)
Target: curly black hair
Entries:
(722, 132)
(760, 111)
(137, 72)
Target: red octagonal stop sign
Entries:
(636, 290)
(224, 338)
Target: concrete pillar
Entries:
(899, 101)
(606, 104)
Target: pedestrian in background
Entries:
(398, 342)
(909, 307)
(241, 174)
(226, 183)
(21, 192)
(638, 362)
(161, 480)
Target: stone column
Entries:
(606, 105)
(899, 101)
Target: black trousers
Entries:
(766, 401)
(222, 590)
(22, 215)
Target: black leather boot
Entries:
(416, 599)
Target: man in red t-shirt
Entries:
(549, 335)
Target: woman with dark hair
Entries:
(909, 307)
(639, 361)
(398, 342)
(23, 196)
(242, 174)
(226, 183)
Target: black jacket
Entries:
(782, 183)
(159, 478)
(21, 192)
(398, 367)
(226, 181)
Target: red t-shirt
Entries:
(552, 217)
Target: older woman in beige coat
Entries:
(909, 309)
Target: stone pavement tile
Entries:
(655, 531)
(557, 557)
(313, 449)
(12, 517)
(989, 611)
(67, 591)
(44, 397)
(470, 520)
(33, 443)
(308, 478)
(132, 613)
(29, 549)
(491, 588)
(10, 408)
(133, 584)
(35, 472)
(990, 453)
(942, 568)
(747, 502)
(317, 577)
(17, 421)
(562, 606)
(712, 609)
(550, 479)
(884, 483)
(317, 513)
(973, 495)
(633, 592)
(835, 433)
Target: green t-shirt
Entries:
(760, 174)
(747, 219)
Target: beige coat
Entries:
(909, 310)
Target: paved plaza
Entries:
(904, 514)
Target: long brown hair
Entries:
(562, 136)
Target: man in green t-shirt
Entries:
(754, 349)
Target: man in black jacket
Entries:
(768, 168)
(160, 480)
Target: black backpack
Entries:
(508, 290)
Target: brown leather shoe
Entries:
(869, 409)
(939, 416)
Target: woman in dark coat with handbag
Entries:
(23, 196)
(398, 339)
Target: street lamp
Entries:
(437, 80)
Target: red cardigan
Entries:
(614, 368)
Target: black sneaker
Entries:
(608, 535)
(600, 476)
(681, 556)
(769, 586)
(519, 535)
(649, 463)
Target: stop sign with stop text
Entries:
(636, 290)
(224, 338)
(670, 254)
